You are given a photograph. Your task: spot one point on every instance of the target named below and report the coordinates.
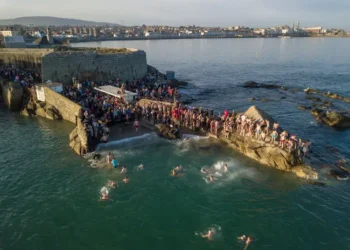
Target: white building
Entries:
(287, 31)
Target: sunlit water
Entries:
(49, 197)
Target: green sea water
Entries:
(49, 196)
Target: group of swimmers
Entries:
(177, 171)
(112, 184)
(210, 235)
(211, 172)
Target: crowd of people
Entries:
(27, 78)
(100, 110)
(204, 120)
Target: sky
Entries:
(223, 13)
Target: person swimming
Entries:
(111, 184)
(104, 193)
(173, 172)
(124, 170)
(109, 158)
(242, 238)
(247, 242)
(210, 235)
(225, 168)
(204, 171)
(178, 168)
(139, 168)
(126, 180)
(209, 179)
(114, 163)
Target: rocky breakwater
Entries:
(12, 94)
(168, 131)
(266, 153)
(256, 85)
(78, 139)
(332, 118)
(174, 83)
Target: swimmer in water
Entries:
(126, 180)
(114, 163)
(204, 171)
(225, 168)
(242, 238)
(173, 172)
(211, 178)
(124, 170)
(178, 168)
(104, 197)
(109, 158)
(104, 193)
(209, 235)
(111, 184)
(139, 168)
(247, 242)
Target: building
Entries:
(42, 42)
(49, 36)
(96, 32)
(5, 33)
(315, 30)
(14, 42)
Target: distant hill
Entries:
(51, 21)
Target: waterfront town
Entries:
(17, 36)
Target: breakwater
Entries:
(266, 152)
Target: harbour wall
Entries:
(64, 63)
(69, 110)
(23, 58)
(94, 65)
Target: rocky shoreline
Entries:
(323, 110)
(264, 152)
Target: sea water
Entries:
(50, 197)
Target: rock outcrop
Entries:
(266, 153)
(332, 118)
(78, 139)
(270, 155)
(37, 108)
(168, 131)
(12, 94)
(257, 114)
(328, 94)
(255, 85)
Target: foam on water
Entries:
(235, 172)
(125, 140)
(184, 145)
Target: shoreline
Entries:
(191, 38)
(267, 154)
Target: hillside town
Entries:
(42, 37)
